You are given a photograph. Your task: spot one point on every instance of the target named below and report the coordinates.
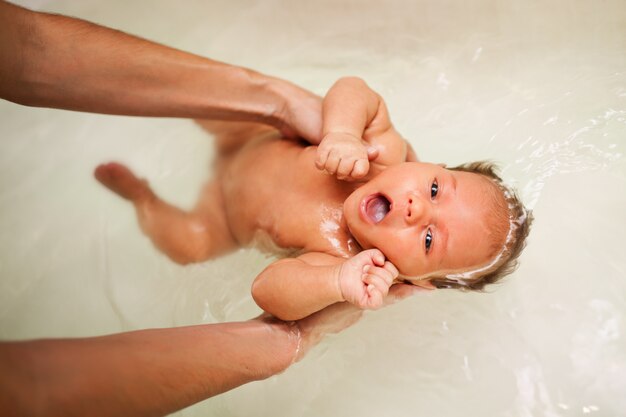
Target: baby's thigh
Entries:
(211, 208)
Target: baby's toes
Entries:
(119, 179)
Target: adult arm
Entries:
(156, 372)
(141, 373)
(56, 61)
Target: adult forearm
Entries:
(57, 61)
(142, 373)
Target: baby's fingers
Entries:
(345, 168)
(322, 157)
(382, 273)
(391, 268)
(361, 168)
(374, 255)
(375, 297)
(332, 163)
(380, 283)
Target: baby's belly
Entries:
(263, 189)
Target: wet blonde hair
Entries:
(509, 213)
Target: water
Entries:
(538, 86)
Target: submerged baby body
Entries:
(353, 212)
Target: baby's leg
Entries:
(185, 237)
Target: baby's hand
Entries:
(344, 155)
(365, 279)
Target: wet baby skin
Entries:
(350, 211)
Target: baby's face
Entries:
(424, 218)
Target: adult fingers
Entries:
(399, 292)
(372, 153)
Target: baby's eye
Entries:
(434, 188)
(428, 240)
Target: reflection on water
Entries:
(563, 145)
(539, 87)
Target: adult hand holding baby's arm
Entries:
(43, 64)
(365, 279)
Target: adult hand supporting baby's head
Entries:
(399, 292)
(340, 316)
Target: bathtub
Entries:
(538, 86)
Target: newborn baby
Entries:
(350, 216)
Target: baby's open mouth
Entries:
(377, 207)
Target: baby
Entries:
(356, 212)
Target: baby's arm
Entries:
(357, 130)
(291, 289)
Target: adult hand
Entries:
(301, 115)
(339, 316)
(72, 64)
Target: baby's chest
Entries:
(282, 200)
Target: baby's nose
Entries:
(417, 210)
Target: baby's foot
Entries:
(119, 179)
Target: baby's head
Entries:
(444, 228)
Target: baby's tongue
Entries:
(377, 208)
